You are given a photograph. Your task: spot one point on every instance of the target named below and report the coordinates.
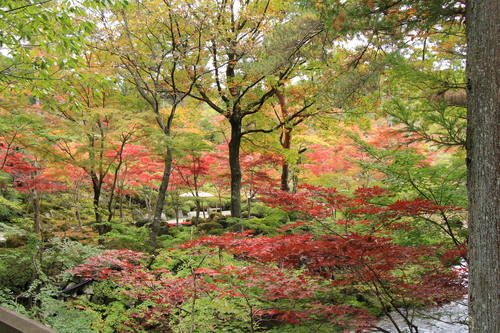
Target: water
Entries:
(449, 318)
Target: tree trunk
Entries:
(120, 203)
(78, 207)
(160, 201)
(285, 140)
(101, 227)
(78, 217)
(37, 223)
(235, 167)
(249, 205)
(198, 210)
(483, 162)
(285, 168)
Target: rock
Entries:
(70, 285)
(137, 214)
(88, 290)
(141, 223)
(163, 231)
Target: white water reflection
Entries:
(449, 318)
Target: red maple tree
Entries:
(28, 176)
(307, 273)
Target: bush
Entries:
(200, 220)
(188, 206)
(65, 319)
(218, 218)
(176, 236)
(9, 207)
(263, 226)
(125, 237)
(16, 241)
(169, 212)
(260, 210)
(38, 260)
(16, 269)
(210, 227)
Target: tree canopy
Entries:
(283, 165)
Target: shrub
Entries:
(264, 226)
(209, 227)
(125, 237)
(215, 217)
(65, 319)
(16, 269)
(200, 220)
(8, 208)
(16, 241)
(188, 206)
(169, 212)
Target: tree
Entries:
(138, 168)
(288, 124)
(229, 55)
(83, 126)
(483, 159)
(27, 176)
(411, 168)
(263, 295)
(219, 175)
(253, 48)
(259, 171)
(76, 181)
(390, 24)
(44, 41)
(151, 46)
(40, 38)
(35, 181)
(93, 149)
(29, 26)
(318, 271)
(26, 172)
(192, 171)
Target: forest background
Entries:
(333, 133)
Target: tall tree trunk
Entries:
(78, 207)
(198, 210)
(160, 201)
(285, 140)
(111, 206)
(285, 168)
(483, 161)
(101, 227)
(37, 223)
(235, 167)
(120, 203)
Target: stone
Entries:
(137, 214)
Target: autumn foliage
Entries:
(341, 270)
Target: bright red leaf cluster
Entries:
(255, 282)
(292, 277)
(26, 174)
(367, 205)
